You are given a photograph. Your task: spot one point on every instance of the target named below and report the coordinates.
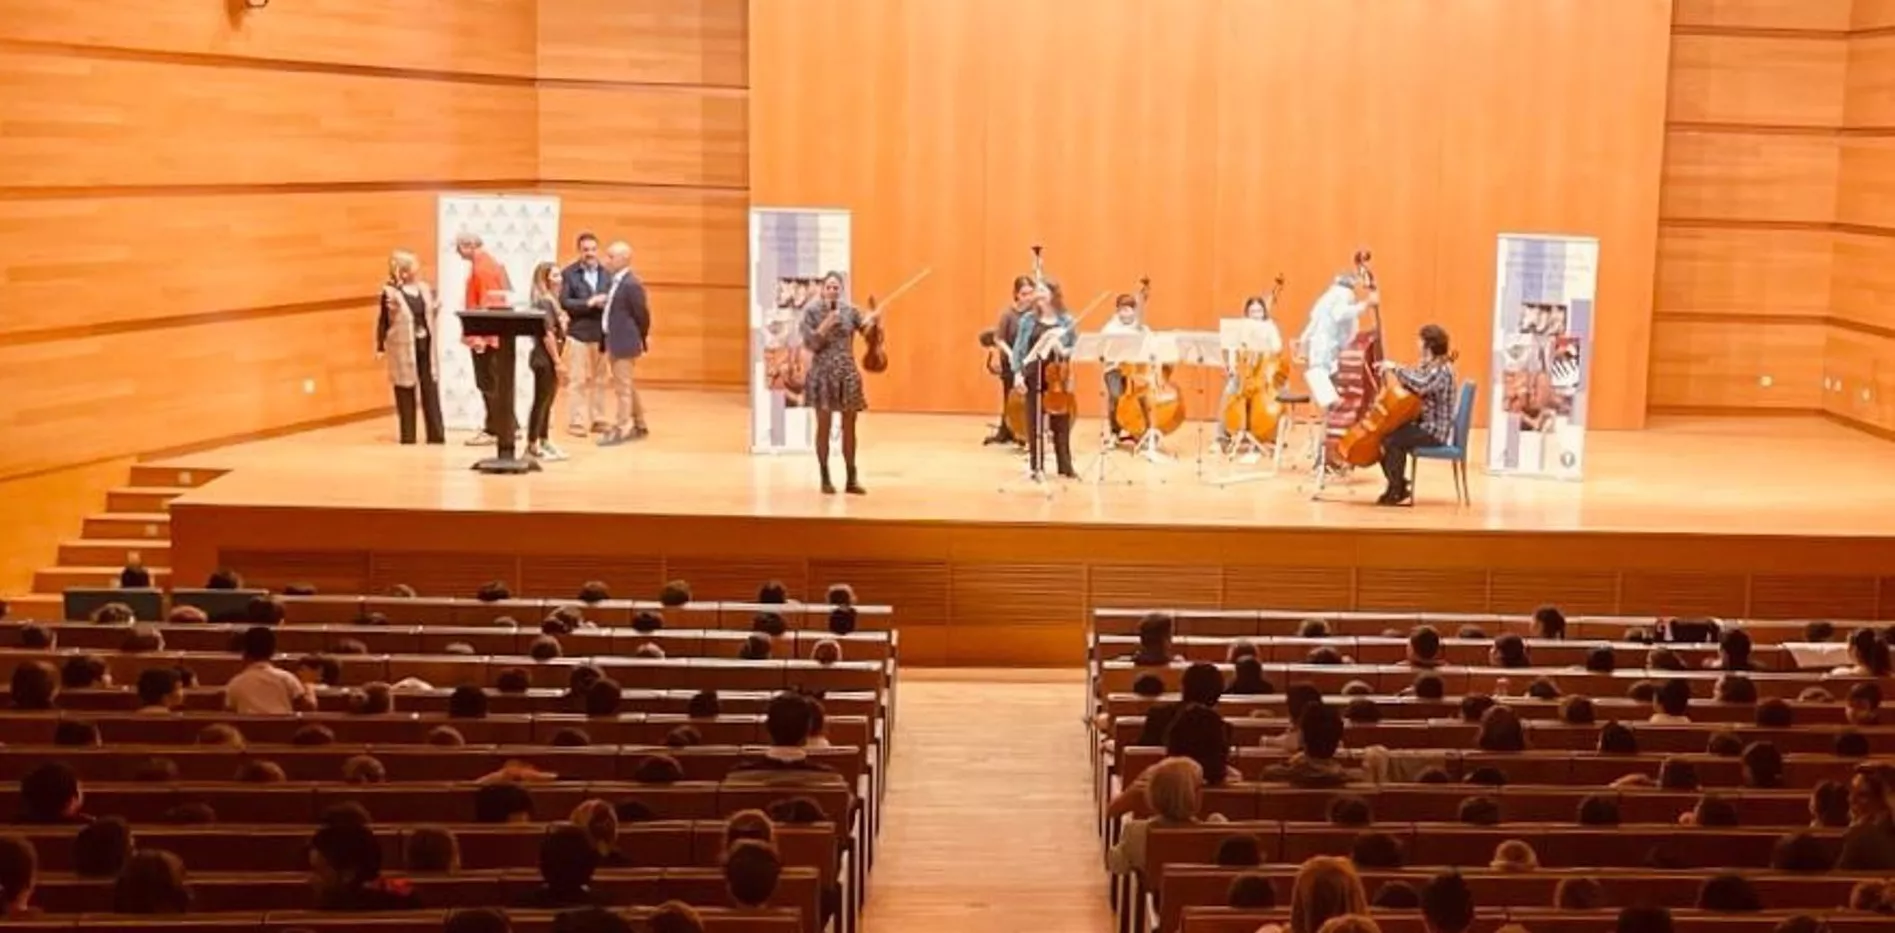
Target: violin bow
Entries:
(913, 281)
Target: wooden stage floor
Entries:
(1766, 517)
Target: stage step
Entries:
(54, 580)
(90, 552)
(36, 607)
(142, 498)
(119, 524)
(152, 474)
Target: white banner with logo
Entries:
(791, 249)
(521, 231)
(1544, 291)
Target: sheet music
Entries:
(1197, 346)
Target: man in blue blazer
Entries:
(583, 288)
(627, 335)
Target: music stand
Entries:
(1035, 481)
(1199, 349)
(1109, 351)
(1156, 350)
(506, 325)
(1241, 336)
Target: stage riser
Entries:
(972, 593)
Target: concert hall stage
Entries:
(1777, 517)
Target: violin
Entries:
(1254, 408)
(1151, 402)
(875, 353)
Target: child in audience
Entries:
(50, 795)
(19, 873)
(568, 861)
(153, 882)
(751, 871)
(345, 865)
(262, 688)
(102, 848)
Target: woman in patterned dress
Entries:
(834, 385)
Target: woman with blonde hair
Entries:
(548, 362)
(1326, 887)
(404, 339)
(1515, 856)
(1175, 791)
(601, 824)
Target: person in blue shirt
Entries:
(1047, 333)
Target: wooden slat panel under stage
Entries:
(1776, 517)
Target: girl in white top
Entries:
(1127, 318)
(1255, 309)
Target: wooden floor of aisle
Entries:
(989, 823)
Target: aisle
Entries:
(988, 823)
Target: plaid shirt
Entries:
(1435, 385)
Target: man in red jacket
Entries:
(487, 287)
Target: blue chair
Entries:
(1456, 452)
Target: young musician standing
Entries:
(548, 364)
(1255, 309)
(1052, 324)
(404, 337)
(1128, 317)
(834, 383)
(1433, 380)
(1332, 324)
(1005, 331)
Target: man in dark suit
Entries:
(627, 332)
(583, 288)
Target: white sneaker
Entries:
(482, 439)
(550, 452)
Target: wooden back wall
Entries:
(1210, 145)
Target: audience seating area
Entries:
(1770, 725)
(685, 757)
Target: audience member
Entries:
(364, 769)
(1501, 731)
(345, 863)
(1865, 704)
(262, 688)
(1671, 706)
(1174, 790)
(50, 794)
(1763, 765)
(1617, 739)
(751, 870)
(1250, 891)
(502, 803)
(787, 720)
(1599, 810)
(1644, 919)
(1325, 887)
(1869, 843)
(1726, 892)
(1576, 711)
(102, 847)
(601, 825)
(19, 875)
(1350, 810)
(1396, 895)
(1480, 811)
(467, 702)
(84, 672)
(35, 686)
(1377, 851)
(1240, 851)
(1829, 805)
(478, 920)
(1515, 856)
(1578, 893)
(152, 882)
(567, 864)
(75, 733)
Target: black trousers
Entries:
(486, 379)
(1006, 389)
(427, 392)
(1061, 427)
(1395, 449)
(539, 419)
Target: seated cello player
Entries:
(1433, 380)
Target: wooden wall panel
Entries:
(918, 590)
(679, 236)
(1869, 99)
(1019, 594)
(1575, 593)
(1866, 195)
(1748, 177)
(77, 121)
(644, 41)
(1810, 596)
(1682, 594)
(327, 571)
(647, 135)
(1293, 588)
(557, 576)
(1872, 14)
(1830, 15)
(1743, 272)
(433, 573)
(1757, 81)
(734, 578)
(1861, 368)
(1420, 590)
(1187, 587)
(85, 261)
(1059, 166)
(698, 337)
(113, 394)
(1724, 364)
(478, 36)
(1864, 280)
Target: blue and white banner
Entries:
(1543, 313)
(791, 249)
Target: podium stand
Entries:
(506, 325)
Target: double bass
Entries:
(1151, 402)
(1392, 405)
(1254, 408)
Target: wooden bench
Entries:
(1225, 920)
(716, 920)
(1253, 622)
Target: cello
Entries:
(1151, 401)
(1393, 404)
(1254, 408)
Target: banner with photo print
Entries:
(1543, 314)
(791, 249)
